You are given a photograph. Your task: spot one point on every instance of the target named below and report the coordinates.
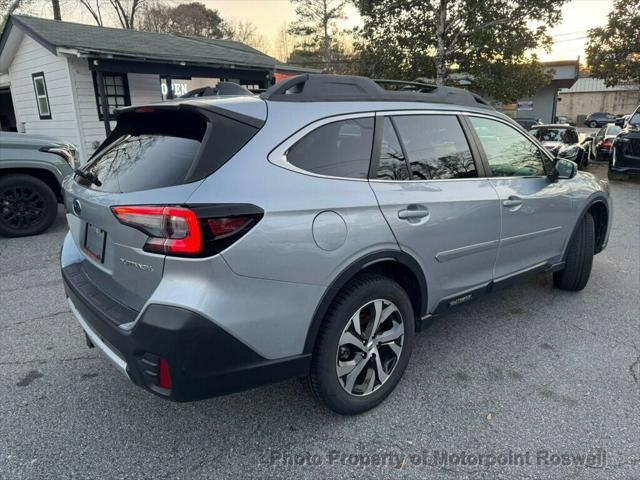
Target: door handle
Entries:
(512, 201)
(413, 214)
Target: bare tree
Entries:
(242, 31)
(93, 7)
(7, 7)
(125, 10)
(283, 43)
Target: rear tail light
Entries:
(606, 143)
(194, 232)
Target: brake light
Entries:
(198, 231)
(171, 230)
(606, 143)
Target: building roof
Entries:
(588, 84)
(99, 41)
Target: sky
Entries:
(270, 15)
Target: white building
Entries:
(57, 77)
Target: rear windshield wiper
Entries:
(88, 176)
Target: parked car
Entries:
(625, 159)
(564, 120)
(561, 141)
(602, 141)
(213, 247)
(527, 123)
(31, 171)
(598, 119)
(622, 120)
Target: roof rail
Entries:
(341, 88)
(404, 85)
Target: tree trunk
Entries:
(326, 41)
(56, 9)
(441, 58)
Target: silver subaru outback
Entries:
(220, 244)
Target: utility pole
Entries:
(56, 9)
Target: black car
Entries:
(625, 159)
(598, 119)
(562, 141)
(527, 122)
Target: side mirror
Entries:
(563, 169)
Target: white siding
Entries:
(143, 88)
(31, 58)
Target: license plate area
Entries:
(94, 242)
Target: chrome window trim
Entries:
(278, 155)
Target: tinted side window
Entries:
(339, 149)
(391, 164)
(436, 147)
(571, 136)
(509, 153)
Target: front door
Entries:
(438, 207)
(533, 208)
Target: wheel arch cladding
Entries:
(600, 214)
(399, 266)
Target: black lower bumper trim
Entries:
(204, 360)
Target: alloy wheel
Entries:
(21, 207)
(370, 347)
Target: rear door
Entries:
(431, 192)
(149, 160)
(534, 209)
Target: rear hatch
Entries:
(156, 156)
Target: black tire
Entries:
(593, 124)
(323, 378)
(28, 206)
(577, 269)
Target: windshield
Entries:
(613, 131)
(563, 135)
(635, 118)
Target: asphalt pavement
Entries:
(531, 382)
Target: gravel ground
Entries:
(530, 369)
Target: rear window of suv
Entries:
(161, 148)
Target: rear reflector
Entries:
(225, 227)
(164, 377)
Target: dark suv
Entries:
(598, 119)
(625, 158)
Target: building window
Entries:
(42, 97)
(116, 88)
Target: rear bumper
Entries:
(204, 360)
